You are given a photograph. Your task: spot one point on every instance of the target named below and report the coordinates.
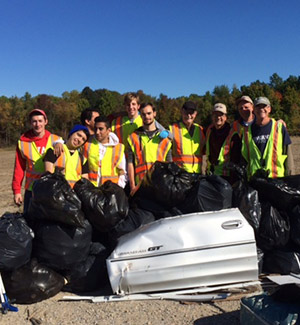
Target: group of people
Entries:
(124, 149)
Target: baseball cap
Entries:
(79, 127)
(262, 100)
(37, 112)
(189, 106)
(219, 107)
(244, 98)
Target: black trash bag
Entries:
(104, 206)
(60, 247)
(274, 229)
(32, 283)
(224, 188)
(158, 210)
(276, 191)
(210, 193)
(289, 293)
(240, 171)
(166, 183)
(53, 199)
(246, 199)
(294, 216)
(282, 262)
(136, 217)
(90, 275)
(15, 241)
(292, 181)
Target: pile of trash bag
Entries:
(65, 220)
(165, 183)
(277, 230)
(103, 206)
(53, 199)
(168, 190)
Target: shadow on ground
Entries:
(232, 318)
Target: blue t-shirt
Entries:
(261, 134)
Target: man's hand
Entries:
(133, 190)
(282, 121)
(58, 149)
(18, 199)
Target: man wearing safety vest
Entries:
(71, 162)
(105, 155)
(146, 145)
(29, 156)
(266, 143)
(188, 140)
(246, 114)
(223, 145)
(123, 126)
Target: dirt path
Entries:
(53, 311)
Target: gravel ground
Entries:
(53, 311)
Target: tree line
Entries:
(63, 112)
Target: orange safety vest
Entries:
(34, 160)
(187, 150)
(147, 151)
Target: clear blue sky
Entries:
(174, 47)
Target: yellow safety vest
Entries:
(187, 151)
(70, 165)
(147, 151)
(34, 160)
(272, 159)
(224, 154)
(123, 127)
(109, 165)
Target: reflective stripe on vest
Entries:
(34, 160)
(93, 169)
(273, 157)
(70, 165)
(147, 151)
(187, 150)
(118, 128)
(110, 162)
(207, 151)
